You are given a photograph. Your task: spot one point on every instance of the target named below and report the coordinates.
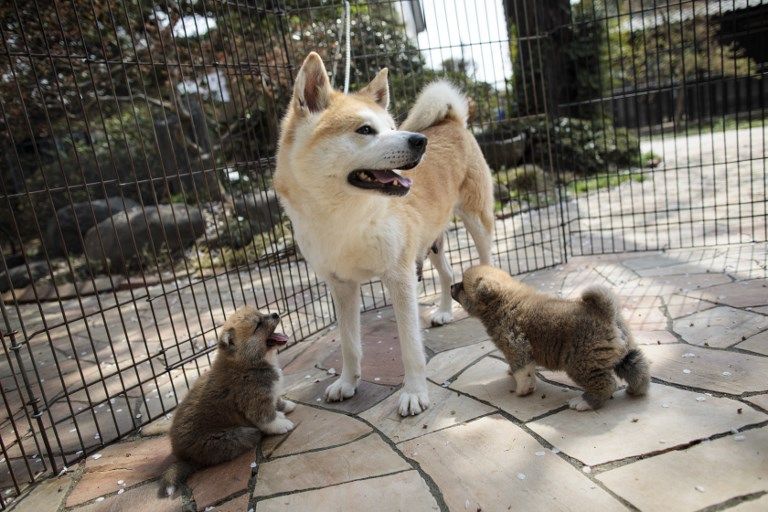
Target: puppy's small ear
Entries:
(378, 89)
(312, 90)
(226, 338)
(485, 291)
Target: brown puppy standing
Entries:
(228, 408)
(586, 338)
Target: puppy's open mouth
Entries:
(277, 339)
(388, 181)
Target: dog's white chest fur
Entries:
(346, 246)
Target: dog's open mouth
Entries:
(384, 180)
(277, 339)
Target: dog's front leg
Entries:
(347, 298)
(402, 288)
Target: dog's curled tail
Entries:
(438, 101)
(175, 475)
(601, 299)
(634, 369)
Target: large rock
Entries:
(132, 236)
(80, 216)
(261, 208)
(20, 276)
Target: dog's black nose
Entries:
(455, 289)
(275, 316)
(417, 141)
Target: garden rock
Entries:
(260, 208)
(84, 215)
(19, 277)
(160, 230)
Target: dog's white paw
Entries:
(579, 404)
(441, 318)
(339, 390)
(525, 381)
(288, 406)
(279, 425)
(412, 404)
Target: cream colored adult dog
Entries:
(356, 217)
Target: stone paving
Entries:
(698, 441)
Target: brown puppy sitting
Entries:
(586, 337)
(228, 408)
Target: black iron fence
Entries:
(137, 154)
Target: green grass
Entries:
(585, 185)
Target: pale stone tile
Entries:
(488, 380)
(757, 343)
(714, 370)
(315, 428)
(492, 464)
(364, 458)
(446, 408)
(447, 364)
(682, 305)
(215, 483)
(759, 400)
(239, 504)
(401, 492)
(740, 294)
(695, 478)
(139, 499)
(47, 496)
(722, 326)
(457, 334)
(653, 337)
(666, 418)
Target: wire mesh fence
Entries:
(138, 139)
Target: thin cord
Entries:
(346, 48)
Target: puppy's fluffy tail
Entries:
(601, 299)
(174, 476)
(438, 101)
(634, 369)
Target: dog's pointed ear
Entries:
(226, 338)
(312, 90)
(378, 89)
(485, 291)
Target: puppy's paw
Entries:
(339, 390)
(579, 404)
(525, 381)
(413, 403)
(279, 425)
(441, 318)
(288, 406)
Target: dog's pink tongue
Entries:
(278, 337)
(389, 177)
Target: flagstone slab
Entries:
(644, 313)
(139, 499)
(314, 428)
(239, 504)
(654, 337)
(446, 408)
(759, 400)
(401, 492)
(217, 482)
(492, 464)
(132, 462)
(757, 343)
(47, 496)
(366, 396)
(457, 334)
(488, 380)
(382, 362)
(683, 305)
(447, 364)
(713, 370)
(368, 457)
(698, 477)
(627, 426)
(739, 294)
(722, 326)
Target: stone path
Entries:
(698, 441)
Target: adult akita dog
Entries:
(356, 217)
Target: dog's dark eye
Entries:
(366, 130)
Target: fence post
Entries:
(32, 400)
